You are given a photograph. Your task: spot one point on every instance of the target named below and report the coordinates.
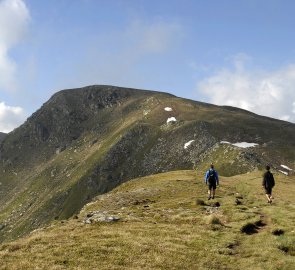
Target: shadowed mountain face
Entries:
(84, 142)
(2, 136)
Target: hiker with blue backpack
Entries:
(212, 180)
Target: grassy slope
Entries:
(162, 227)
(39, 192)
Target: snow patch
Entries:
(223, 142)
(245, 144)
(286, 167)
(283, 172)
(186, 145)
(171, 119)
(168, 109)
(240, 144)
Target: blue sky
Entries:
(226, 52)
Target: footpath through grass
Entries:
(166, 222)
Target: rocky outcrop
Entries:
(100, 216)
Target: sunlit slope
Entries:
(165, 222)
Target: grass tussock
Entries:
(213, 220)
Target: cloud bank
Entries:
(267, 93)
(10, 117)
(14, 19)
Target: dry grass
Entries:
(161, 227)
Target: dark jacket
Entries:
(268, 180)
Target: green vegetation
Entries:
(86, 142)
(167, 223)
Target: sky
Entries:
(225, 52)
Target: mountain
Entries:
(2, 136)
(85, 142)
(164, 221)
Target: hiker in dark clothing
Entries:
(268, 183)
(212, 180)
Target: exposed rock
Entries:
(100, 216)
(238, 202)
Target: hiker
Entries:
(211, 179)
(268, 183)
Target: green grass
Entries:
(163, 227)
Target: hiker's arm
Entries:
(206, 177)
(273, 180)
(263, 180)
(217, 178)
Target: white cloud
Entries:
(14, 18)
(10, 117)
(266, 93)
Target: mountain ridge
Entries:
(85, 142)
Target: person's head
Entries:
(212, 166)
(267, 167)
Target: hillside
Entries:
(85, 142)
(165, 222)
(2, 136)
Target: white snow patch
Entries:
(245, 144)
(286, 167)
(168, 109)
(171, 119)
(186, 145)
(283, 172)
(240, 144)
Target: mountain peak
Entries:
(84, 142)
(106, 92)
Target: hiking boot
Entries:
(212, 197)
(209, 198)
